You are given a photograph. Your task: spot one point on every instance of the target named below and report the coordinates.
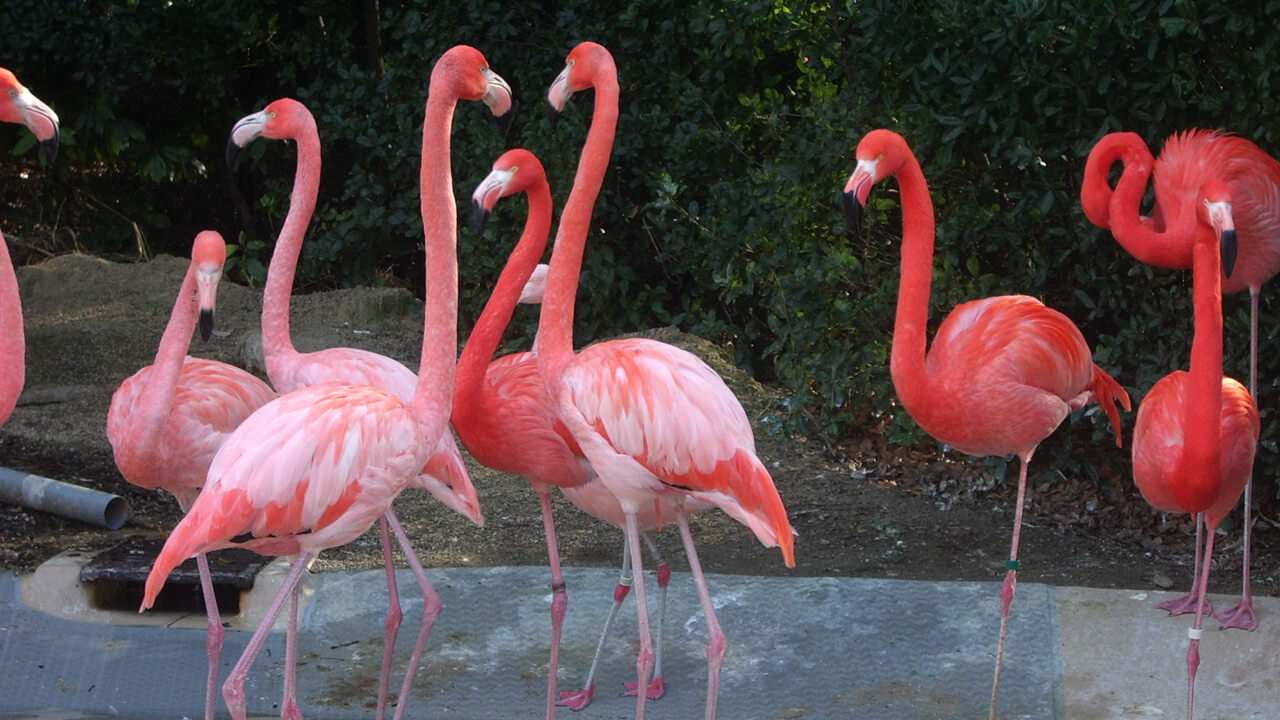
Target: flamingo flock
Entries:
(635, 432)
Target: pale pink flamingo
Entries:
(1003, 372)
(446, 475)
(507, 421)
(19, 106)
(316, 467)
(1196, 432)
(167, 420)
(1188, 160)
(654, 421)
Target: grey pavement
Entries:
(799, 647)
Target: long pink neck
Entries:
(150, 411)
(910, 326)
(1095, 191)
(12, 344)
(1167, 247)
(277, 345)
(554, 342)
(432, 400)
(1200, 469)
(497, 312)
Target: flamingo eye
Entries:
(13, 93)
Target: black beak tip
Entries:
(233, 151)
(206, 324)
(505, 121)
(478, 217)
(553, 116)
(852, 210)
(1229, 247)
(50, 149)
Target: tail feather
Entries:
(753, 500)
(204, 528)
(1106, 391)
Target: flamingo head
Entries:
(1215, 211)
(208, 254)
(880, 153)
(282, 119)
(512, 173)
(19, 106)
(585, 64)
(467, 71)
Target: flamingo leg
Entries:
(431, 606)
(1010, 583)
(289, 704)
(213, 641)
(658, 685)
(559, 602)
(1193, 649)
(391, 625)
(716, 643)
(1241, 615)
(644, 661)
(1187, 603)
(579, 699)
(233, 687)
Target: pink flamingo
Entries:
(314, 468)
(507, 421)
(1190, 159)
(19, 106)
(167, 420)
(1003, 372)
(446, 475)
(1180, 462)
(653, 420)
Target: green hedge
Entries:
(737, 130)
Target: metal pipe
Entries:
(65, 499)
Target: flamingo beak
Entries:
(1229, 248)
(246, 130)
(486, 196)
(41, 120)
(558, 95)
(206, 296)
(856, 192)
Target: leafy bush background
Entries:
(720, 211)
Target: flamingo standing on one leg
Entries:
(19, 106)
(1183, 459)
(507, 421)
(653, 420)
(167, 420)
(314, 468)
(291, 370)
(1003, 372)
(1188, 160)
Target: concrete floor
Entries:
(798, 648)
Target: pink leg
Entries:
(430, 611)
(233, 687)
(579, 699)
(1187, 603)
(559, 600)
(1010, 583)
(644, 661)
(716, 643)
(289, 704)
(658, 685)
(213, 641)
(1193, 651)
(1241, 615)
(391, 625)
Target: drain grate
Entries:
(115, 578)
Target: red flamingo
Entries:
(19, 106)
(446, 475)
(315, 468)
(1190, 159)
(1182, 463)
(167, 420)
(653, 420)
(1003, 372)
(507, 421)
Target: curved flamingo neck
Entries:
(487, 333)
(1095, 191)
(1200, 469)
(554, 342)
(1168, 246)
(277, 344)
(910, 325)
(12, 343)
(151, 410)
(433, 398)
